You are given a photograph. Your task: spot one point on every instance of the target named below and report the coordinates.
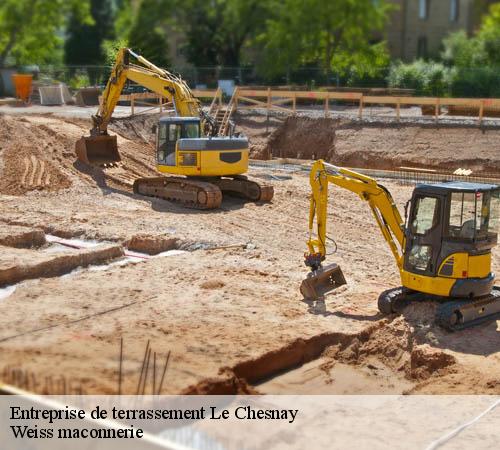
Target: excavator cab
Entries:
(181, 149)
(169, 131)
(450, 231)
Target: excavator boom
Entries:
(324, 279)
(101, 149)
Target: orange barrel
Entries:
(22, 83)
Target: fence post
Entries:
(326, 104)
(294, 103)
(436, 108)
(361, 107)
(132, 97)
(268, 99)
(236, 94)
(481, 111)
(398, 109)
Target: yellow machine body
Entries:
(205, 164)
(443, 249)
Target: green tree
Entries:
(334, 35)
(84, 43)
(489, 35)
(217, 31)
(148, 31)
(31, 30)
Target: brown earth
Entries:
(229, 313)
(377, 146)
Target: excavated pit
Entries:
(385, 358)
(380, 146)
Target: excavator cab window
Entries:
(168, 135)
(474, 215)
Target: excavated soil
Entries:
(381, 146)
(228, 312)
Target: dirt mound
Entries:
(152, 244)
(31, 158)
(395, 346)
(304, 138)
(21, 237)
(136, 128)
(38, 153)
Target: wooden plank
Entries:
(206, 93)
(282, 101)
(418, 101)
(461, 102)
(251, 100)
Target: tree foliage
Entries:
(148, 33)
(217, 31)
(31, 30)
(471, 64)
(84, 41)
(335, 35)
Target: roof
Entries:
(461, 186)
(176, 119)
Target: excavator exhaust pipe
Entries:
(98, 151)
(321, 281)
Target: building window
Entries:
(423, 9)
(454, 10)
(422, 47)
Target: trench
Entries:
(384, 358)
(72, 256)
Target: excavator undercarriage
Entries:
(202, 193)
(451, 313)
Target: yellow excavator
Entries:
(443, 251)
(190, 145)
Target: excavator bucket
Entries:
(97, 150)
(321, 281)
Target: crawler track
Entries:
(187, 192)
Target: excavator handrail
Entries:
(378, 197)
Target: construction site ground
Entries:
(84, 262)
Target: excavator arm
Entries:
(323, 279)
(151, 77)
(100, 149)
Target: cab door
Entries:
(424, 234)
(168, 135)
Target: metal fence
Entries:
(471, 83)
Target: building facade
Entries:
(417, 27)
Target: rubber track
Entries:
(446, 309)
(169, 186)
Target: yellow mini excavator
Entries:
(190, 145)
(443, 251)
